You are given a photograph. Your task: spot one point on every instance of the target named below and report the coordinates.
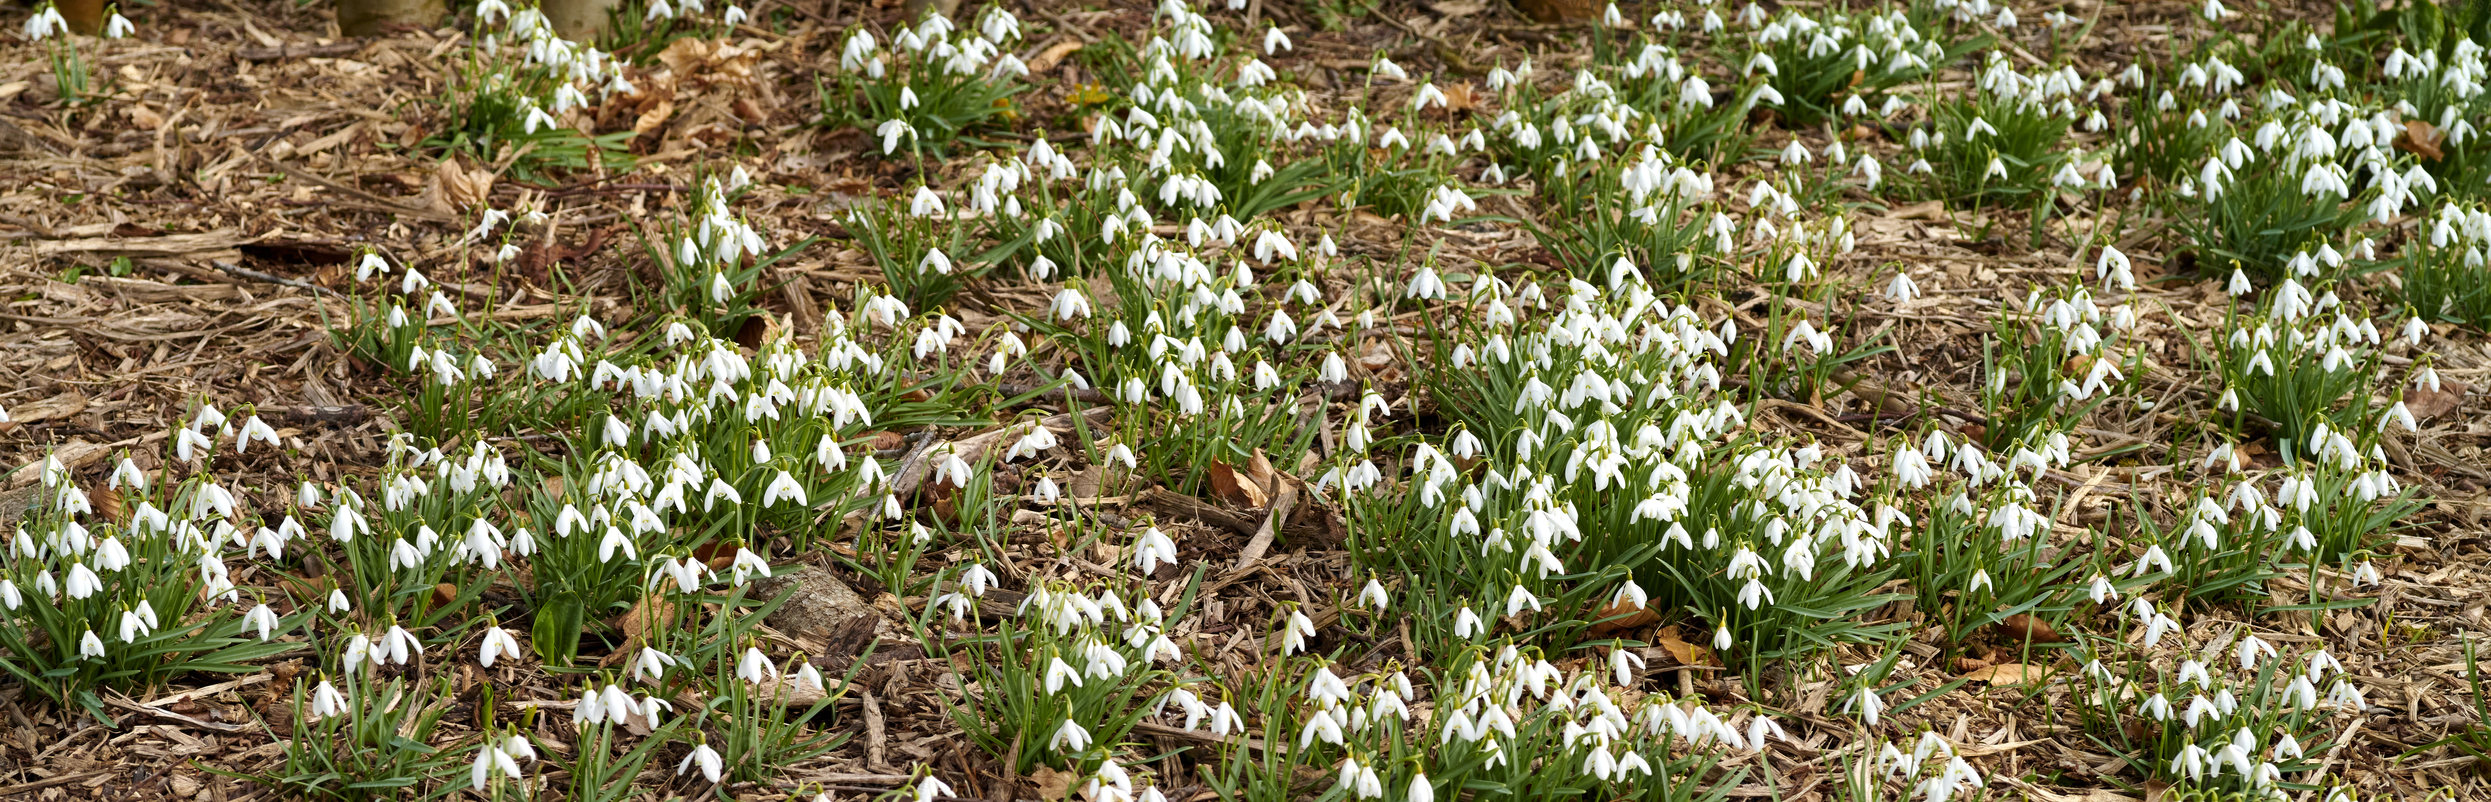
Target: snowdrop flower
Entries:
(702, 755)
(1373, 597)
(755, 667)
(783, 488)
(1902, 290)
(891, 131)
(1295, 631)
(489, 760)
(2112, 268)
(118, 26)
(399, 646)
(326, 701)
(930, 789)
(42, 24)
(1865, 701)
(651, 664)
(1071, 738)
(1520, 599)
(498, 643)
(1152, 549)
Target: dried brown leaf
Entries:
(1228, 485)
(1052, 784)
(2023, 627)
(107, 503)
(2427, 404)
(2420, 138)
(643, 618)
(457, 187)
(1260, 472)
(2006, 674)
(1687, 654)
(1620, 617)
(1048, 58)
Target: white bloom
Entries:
(705, 757)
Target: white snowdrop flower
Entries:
(1070, 738)
(498, 643)
(755, 667)
(1902, 290)
(45, 22)
(1373, 597)
(706, 758)
(1275, 41)
(891, 131)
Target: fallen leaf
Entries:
(652, 611)
(1052, 784)
(2427, 404)
(715, 554)
(74, 456)
(1687, 654)
(1260, 472)
(1235, 488)
(655, 117)
(2006, 674)
(1046, 59)
(1458, 8)
(107, 503)
(2023, 627)
(2420, 138)
(1620, 617)
(1460, 98)
(457, 188)
(756, 330)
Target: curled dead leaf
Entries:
(1046, 59)
(654, 118)
(715, 554)
(2422, 139)
(1620, 617)
(1052, 784)
(643, 618)
(1232, 486)
(2427, 404)
(2006, 674)
(1460, 98)
(1687, 654)
(2023, 628)
(107, 503)
(1260, 473)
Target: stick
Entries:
(271, 278)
